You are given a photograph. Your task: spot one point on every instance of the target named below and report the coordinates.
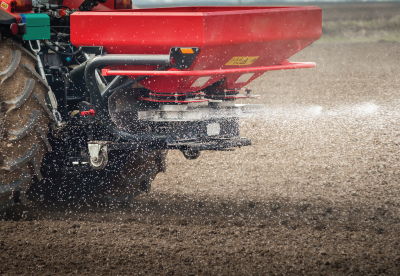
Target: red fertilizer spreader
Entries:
(222, 47)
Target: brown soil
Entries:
(317, 192)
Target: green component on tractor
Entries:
(37, 26)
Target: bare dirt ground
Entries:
(317, 193)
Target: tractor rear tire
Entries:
(135, 178)
(24, 120)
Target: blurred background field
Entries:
(360, 22)
(343, 21)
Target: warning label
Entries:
(4, 5)
(242, 60)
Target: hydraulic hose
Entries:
(107, 92)
(63, 53)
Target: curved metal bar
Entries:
(130, 82)
(94, 63)
(101, 106)
(107, 92)
(283, 66)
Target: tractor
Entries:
(94, 93)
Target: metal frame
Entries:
(284, 66)
(143, 140)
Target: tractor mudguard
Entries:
(6, 18)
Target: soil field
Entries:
(318, 192)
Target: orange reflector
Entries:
(187, 50)
(23, 5)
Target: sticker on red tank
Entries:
(242, 60)
(4, 5)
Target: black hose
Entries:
(54, 30)
(56, 44)
(65, 91)
(63, 53)
(66, 97)
(107, 92)
(78, 70)
(129, 83)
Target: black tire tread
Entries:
(43, 104)
(22, 146)
(136, 177)
(12, 67)
(20, 99)
(15, 163)
(32, 70)
(26, 129)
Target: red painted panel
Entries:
(136, 33)
(273, 34)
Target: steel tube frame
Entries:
(100, 105)
(138, 139)
(285, 66)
